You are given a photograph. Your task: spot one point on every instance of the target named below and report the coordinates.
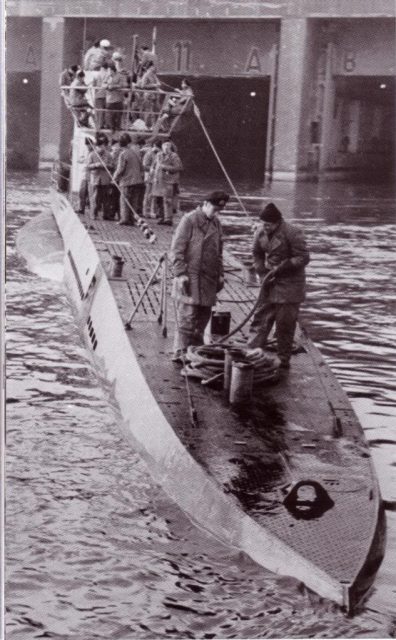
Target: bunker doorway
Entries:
(364, 125)
(235, 113)
(23, 120)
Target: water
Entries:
(94, 549)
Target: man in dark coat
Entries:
(197, 260)
(279, 254)
(129, 177)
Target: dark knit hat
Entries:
(218, 198)
(125, 139)
(271, 213)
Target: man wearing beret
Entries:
(197, 261)
(279, 255)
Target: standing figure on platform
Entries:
(149, 202)
(118, 61)
(145, 56)
(150, 85)
(166, 175)
(99, 87)
(280, 255)
(99, 165)
(197, 261)
(78, 99)
(115, 87)
(129, 177)
(97, 54)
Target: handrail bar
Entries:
(129, 90)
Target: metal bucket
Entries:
(117, 266)
(220, 323)
(241, 387)
(230, 354)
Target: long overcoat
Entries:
(129, 167)
(285, 248)
(197, 252)
(166, 171)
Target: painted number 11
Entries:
(182, 50)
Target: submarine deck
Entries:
(290, 432)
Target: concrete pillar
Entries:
(291, 84)
(51, 106)
(328, 119)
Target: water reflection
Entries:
(94, 547)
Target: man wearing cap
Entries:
(65, 79)
(97, 54)
(129, 177)
(280, 254)
(197, 261)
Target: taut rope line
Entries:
(204, 129)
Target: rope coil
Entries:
(207, 361)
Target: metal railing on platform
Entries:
(143, 110)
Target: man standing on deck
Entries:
(279, 254)
(129, 177)
(99, 165)
(197, 260)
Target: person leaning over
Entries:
(129, 177)
(197, 261)
(65, 79)
(280, 254)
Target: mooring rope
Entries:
(204, 129)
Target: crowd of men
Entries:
(103, 94)
(129, 177)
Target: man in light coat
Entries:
(280, 255)
(197, 261)
(99, 165)
(166, 178)
(129, 177)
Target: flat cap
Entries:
(217, 198)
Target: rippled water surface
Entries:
(95, 549)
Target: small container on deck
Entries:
(230, 354)
(220, 323)
(117, 266)
(241, 382)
